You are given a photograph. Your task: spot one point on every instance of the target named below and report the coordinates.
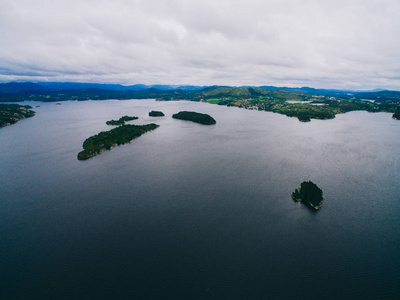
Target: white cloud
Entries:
(322, 43)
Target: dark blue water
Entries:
(199, 212)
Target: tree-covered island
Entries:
(155, 113)
(195, 117)
(121, 120)
(106, 140)
(310, 194)
(12, 113)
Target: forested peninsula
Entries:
(106, 140)
(12, 113)
(396, 115)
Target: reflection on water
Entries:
(192, 211)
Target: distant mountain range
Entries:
(23, 87)
(58, 91)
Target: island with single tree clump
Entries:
(106, 140)
(195, 117)
(121, 120)
(12, 113)
(310, 194)
(155, 113)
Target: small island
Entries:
(195, 117)
(12, 113)
(310, 194)
(121, 120)
(155, 113)
(106, 140)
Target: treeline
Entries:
(220, 92)
(268, 99)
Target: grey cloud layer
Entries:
(322, 43)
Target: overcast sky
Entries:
(320, 43)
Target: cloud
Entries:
(323, 43)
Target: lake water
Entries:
(199, 212)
